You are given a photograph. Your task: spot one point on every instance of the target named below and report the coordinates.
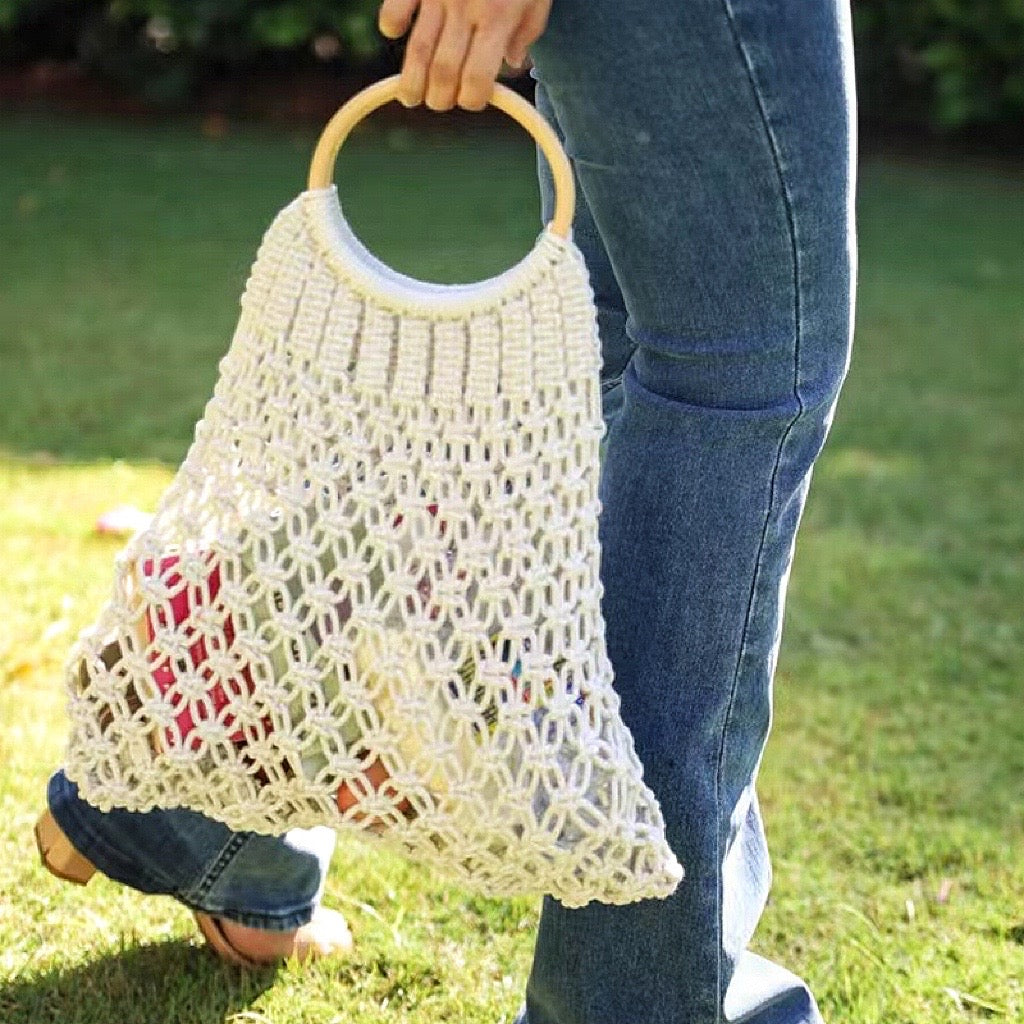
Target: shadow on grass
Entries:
(171, 982)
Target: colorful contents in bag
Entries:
(423, 586)
(186, 603)
(183, 601)
(468, 674)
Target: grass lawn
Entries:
(894, 783)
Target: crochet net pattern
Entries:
(370, 596)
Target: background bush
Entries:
(936, 65)
(164, 51)
(941, 64)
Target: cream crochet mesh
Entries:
(370, 596)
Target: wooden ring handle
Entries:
(321, 171)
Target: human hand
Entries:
(456, 47)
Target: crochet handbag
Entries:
(370, 596)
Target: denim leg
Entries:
(259, 881)
(713, 144)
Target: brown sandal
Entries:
(326, 934)
(59, 857)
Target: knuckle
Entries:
(443, 70)
(476, 82)
(418, 52)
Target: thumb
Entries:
(529, 31)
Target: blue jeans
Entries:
(713, 145)
(259, 881)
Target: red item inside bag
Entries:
(186, 598)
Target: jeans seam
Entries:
(197, 893)
(727, 6)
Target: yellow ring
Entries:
(321, 171)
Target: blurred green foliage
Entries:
(935, 64)
(164, 50)
(941, 64)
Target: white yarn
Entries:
(376, 575)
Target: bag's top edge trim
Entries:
(352, 261)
